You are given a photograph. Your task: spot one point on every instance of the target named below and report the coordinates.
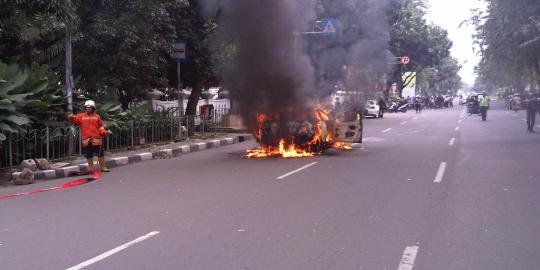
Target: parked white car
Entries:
(373, 109)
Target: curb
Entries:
(142, 157)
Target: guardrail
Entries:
(64, 142)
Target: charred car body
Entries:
(321, 133)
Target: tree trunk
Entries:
(28, 49)
(191, 108)
(536, 74)
(193, 99)
(124, 100)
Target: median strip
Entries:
(131, 158)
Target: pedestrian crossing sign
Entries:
(330, 26)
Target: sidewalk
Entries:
(123, 158)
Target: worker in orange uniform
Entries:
(91, 132)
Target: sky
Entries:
(449, 15)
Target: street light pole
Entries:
(180, 100)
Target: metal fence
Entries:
(64, 142)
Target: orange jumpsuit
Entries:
(91, 128)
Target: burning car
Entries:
(306, 138)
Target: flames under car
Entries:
(290, 138)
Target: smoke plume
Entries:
(269, 73)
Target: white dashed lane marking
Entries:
(408, 258)
(452, 141)
(297, 170)
(386, 130)
(440, 173)
(112, 251)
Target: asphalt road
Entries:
(440, 190)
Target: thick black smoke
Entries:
(269, 73)
(359, 58)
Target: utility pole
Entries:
(69, 83)
(69, 70)
(180, 100)
(179, 56)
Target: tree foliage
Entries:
(427, 45)
(508, 34)
(28, 97)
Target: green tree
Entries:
(125, 46)
(508, 35)
(426, 44)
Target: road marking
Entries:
(403, 123)
(524, 120)
(459, 122)
(507, 112)
(440, 173)
(386, 130)
(112, 251)
(372, 139)
(452, 141)
(538, 126)
(408, 258)
(297, 170)
(415, 118)
(457, 129)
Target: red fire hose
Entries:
(94, 175)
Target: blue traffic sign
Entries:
(179, 51)
(330, 26)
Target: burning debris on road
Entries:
(304, 138)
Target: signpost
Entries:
(405, 60)
(179, 56)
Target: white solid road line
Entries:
(386, 130)
(403, 123)
(112, 251)
(452, 141)
(297, 170)
(440, 173)
(457, 129)
(408, 258)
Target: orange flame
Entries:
(291, 150)
(281, 151)
(341, 145)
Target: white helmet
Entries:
(90, 103)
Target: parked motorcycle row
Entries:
(420, 103)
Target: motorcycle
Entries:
(396, 107)
(473, 108)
